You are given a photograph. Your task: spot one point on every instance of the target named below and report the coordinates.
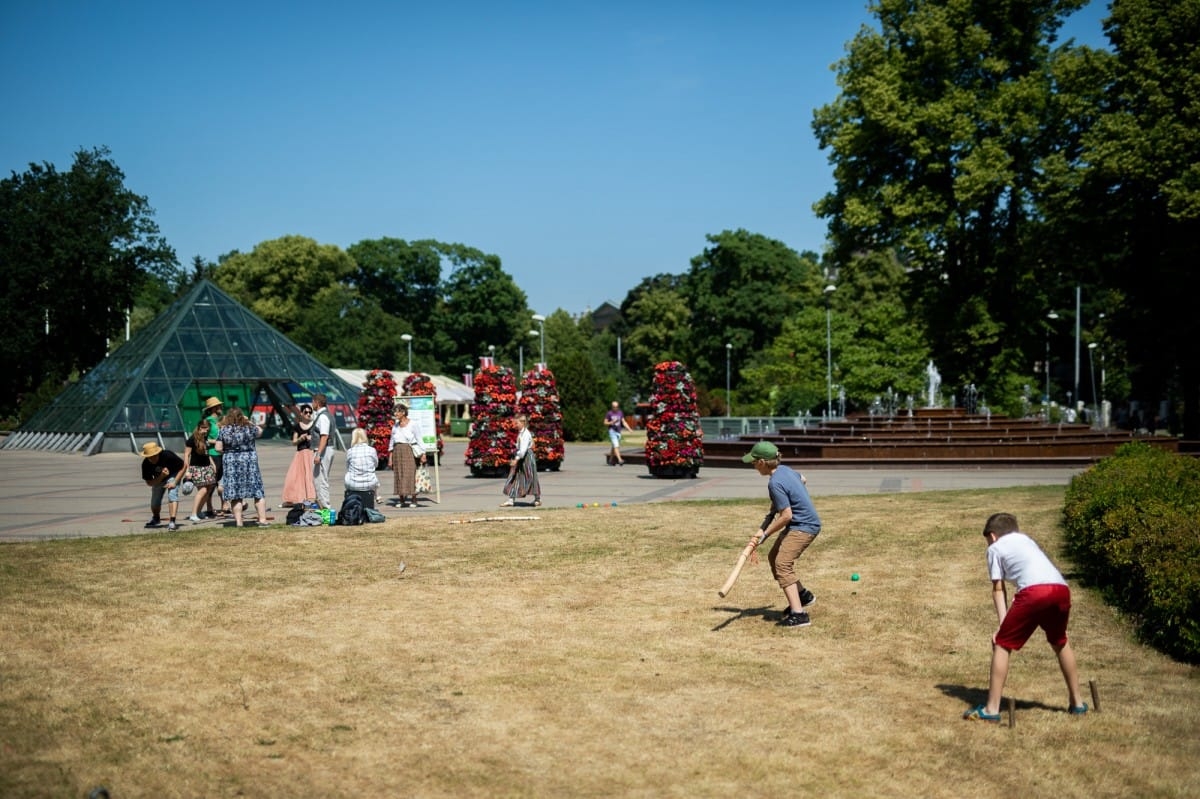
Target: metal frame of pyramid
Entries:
(153, 387)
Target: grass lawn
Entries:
(585, 653)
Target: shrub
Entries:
(1132, 525)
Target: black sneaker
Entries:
(807, 597)
(154, 522)
(795, 620)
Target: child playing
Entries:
(1042, 600)
(793, 516)
(522, 474)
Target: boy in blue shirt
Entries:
(793, 516)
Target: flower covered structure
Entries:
(375, 404)
(539, 401)
(674, 440)
(493, 438)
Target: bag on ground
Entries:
(374, 516)
(351, 512)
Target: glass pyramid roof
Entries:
(155, 385)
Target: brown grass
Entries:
(584, 654)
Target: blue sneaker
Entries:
(1078, 711)
(979, 713)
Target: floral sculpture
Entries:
(539, 401)
(674, 440)
(493, 439)
(375, 404)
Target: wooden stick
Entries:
(496, 519)
(1095, 695)
(1012, 712)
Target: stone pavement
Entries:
(47, 495)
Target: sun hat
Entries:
(762, 451)
(150, 449)
(212, 402)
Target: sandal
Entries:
(537, 503)
(980, 714)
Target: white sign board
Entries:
(422, 412)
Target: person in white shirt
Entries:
(1042, 599)
(322, 445)
(522, 474)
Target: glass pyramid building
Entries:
(153, 387)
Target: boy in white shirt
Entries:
(1042, 600)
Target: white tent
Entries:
(449, 392)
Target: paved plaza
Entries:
(52, 495)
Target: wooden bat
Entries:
(733, 575)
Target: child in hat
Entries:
(794, 518)
(162, 470)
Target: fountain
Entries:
(935, 382)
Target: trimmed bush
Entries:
(1132, 525)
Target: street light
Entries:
(1046, 401)
(829, 348)
(541, 320)
(407, 338)
(535, 334)
(728, 402)
(1095, 399)
(492, 354)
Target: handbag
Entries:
(424, 484)
(417, 450)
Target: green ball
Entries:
(854, 577)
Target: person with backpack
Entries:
(321, 440)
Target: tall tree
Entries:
(740, 289)
(1142, 173)
(483, 304)
(76, 248)
(946, 116)
(280, 279)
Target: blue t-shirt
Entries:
(787, 490)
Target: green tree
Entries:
(658, 322)
(280, 279)
(740, 290)
(1141, 177)
(941, 137)
(483, 305)
(405, 281)
(76, 246)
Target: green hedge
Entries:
(1132, 525)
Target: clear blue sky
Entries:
(588, 145)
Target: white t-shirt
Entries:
(1017, 558)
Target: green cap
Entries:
(762, 451)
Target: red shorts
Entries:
(1047, 606)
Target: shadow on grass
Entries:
(978, 696)
(764, 613)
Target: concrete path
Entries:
(49, 495)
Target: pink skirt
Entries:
(298, 486)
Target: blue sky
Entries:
(588, 145)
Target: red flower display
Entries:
(539, 401)
(374, 411)
(493, 439)
(674, 440)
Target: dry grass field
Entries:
(583, 654)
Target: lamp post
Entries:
(1078, 314)
(1046, 401)
(521, 358)
(470, 375)
(535, 334)
(541, 320)
(492, 354)
(728, 401)
(829, 349)
(407, 339)
(1096, 401)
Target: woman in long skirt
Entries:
(522, 476)
(298, 486)
(405, 442)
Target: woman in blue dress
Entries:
(242, 479)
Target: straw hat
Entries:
(150, 450)
(212, 402)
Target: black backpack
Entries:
(352, 511)
(295, 512)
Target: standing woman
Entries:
(243, 478)
(199, 468)
(522, 476)
(406, 442)
(298, 485)
(213, 410)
